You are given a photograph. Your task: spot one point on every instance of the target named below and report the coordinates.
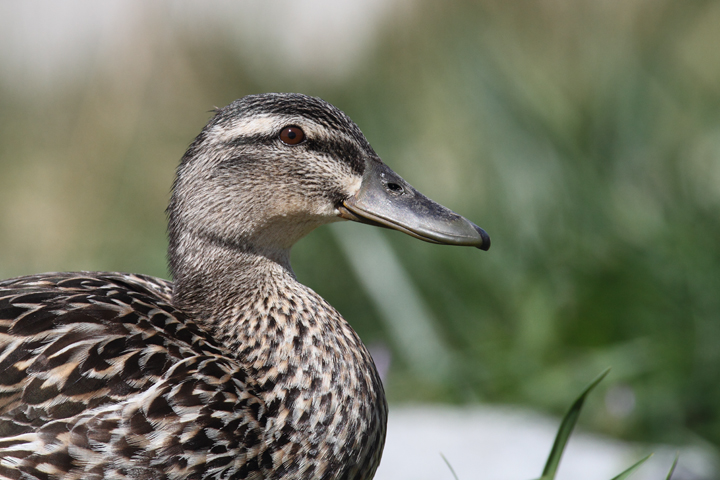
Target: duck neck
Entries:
(249, 300)
(317, 381)
(215, 279)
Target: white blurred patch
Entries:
(620, 401)
(495, 443)
(45, 43)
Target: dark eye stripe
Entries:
(344, 150)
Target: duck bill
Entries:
(386, 200)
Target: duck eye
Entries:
(292, 135)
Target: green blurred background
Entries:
(583, 135)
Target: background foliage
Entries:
(584, 136)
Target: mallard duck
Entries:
(235, 370)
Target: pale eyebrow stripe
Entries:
(248, 127)
(269, 124)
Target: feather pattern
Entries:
(104, 378)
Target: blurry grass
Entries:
(452, 470)
(672, 468)
(567, 425)
(635, 466)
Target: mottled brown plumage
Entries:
(235, 371)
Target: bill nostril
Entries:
(397, 188)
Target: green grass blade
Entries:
(566, 428)
(452, 470)
(632, 469)
(672, 469)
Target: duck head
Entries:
(268, 169)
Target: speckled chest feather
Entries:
(103, 378)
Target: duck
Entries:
(234, 370)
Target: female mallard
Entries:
(236, 370)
